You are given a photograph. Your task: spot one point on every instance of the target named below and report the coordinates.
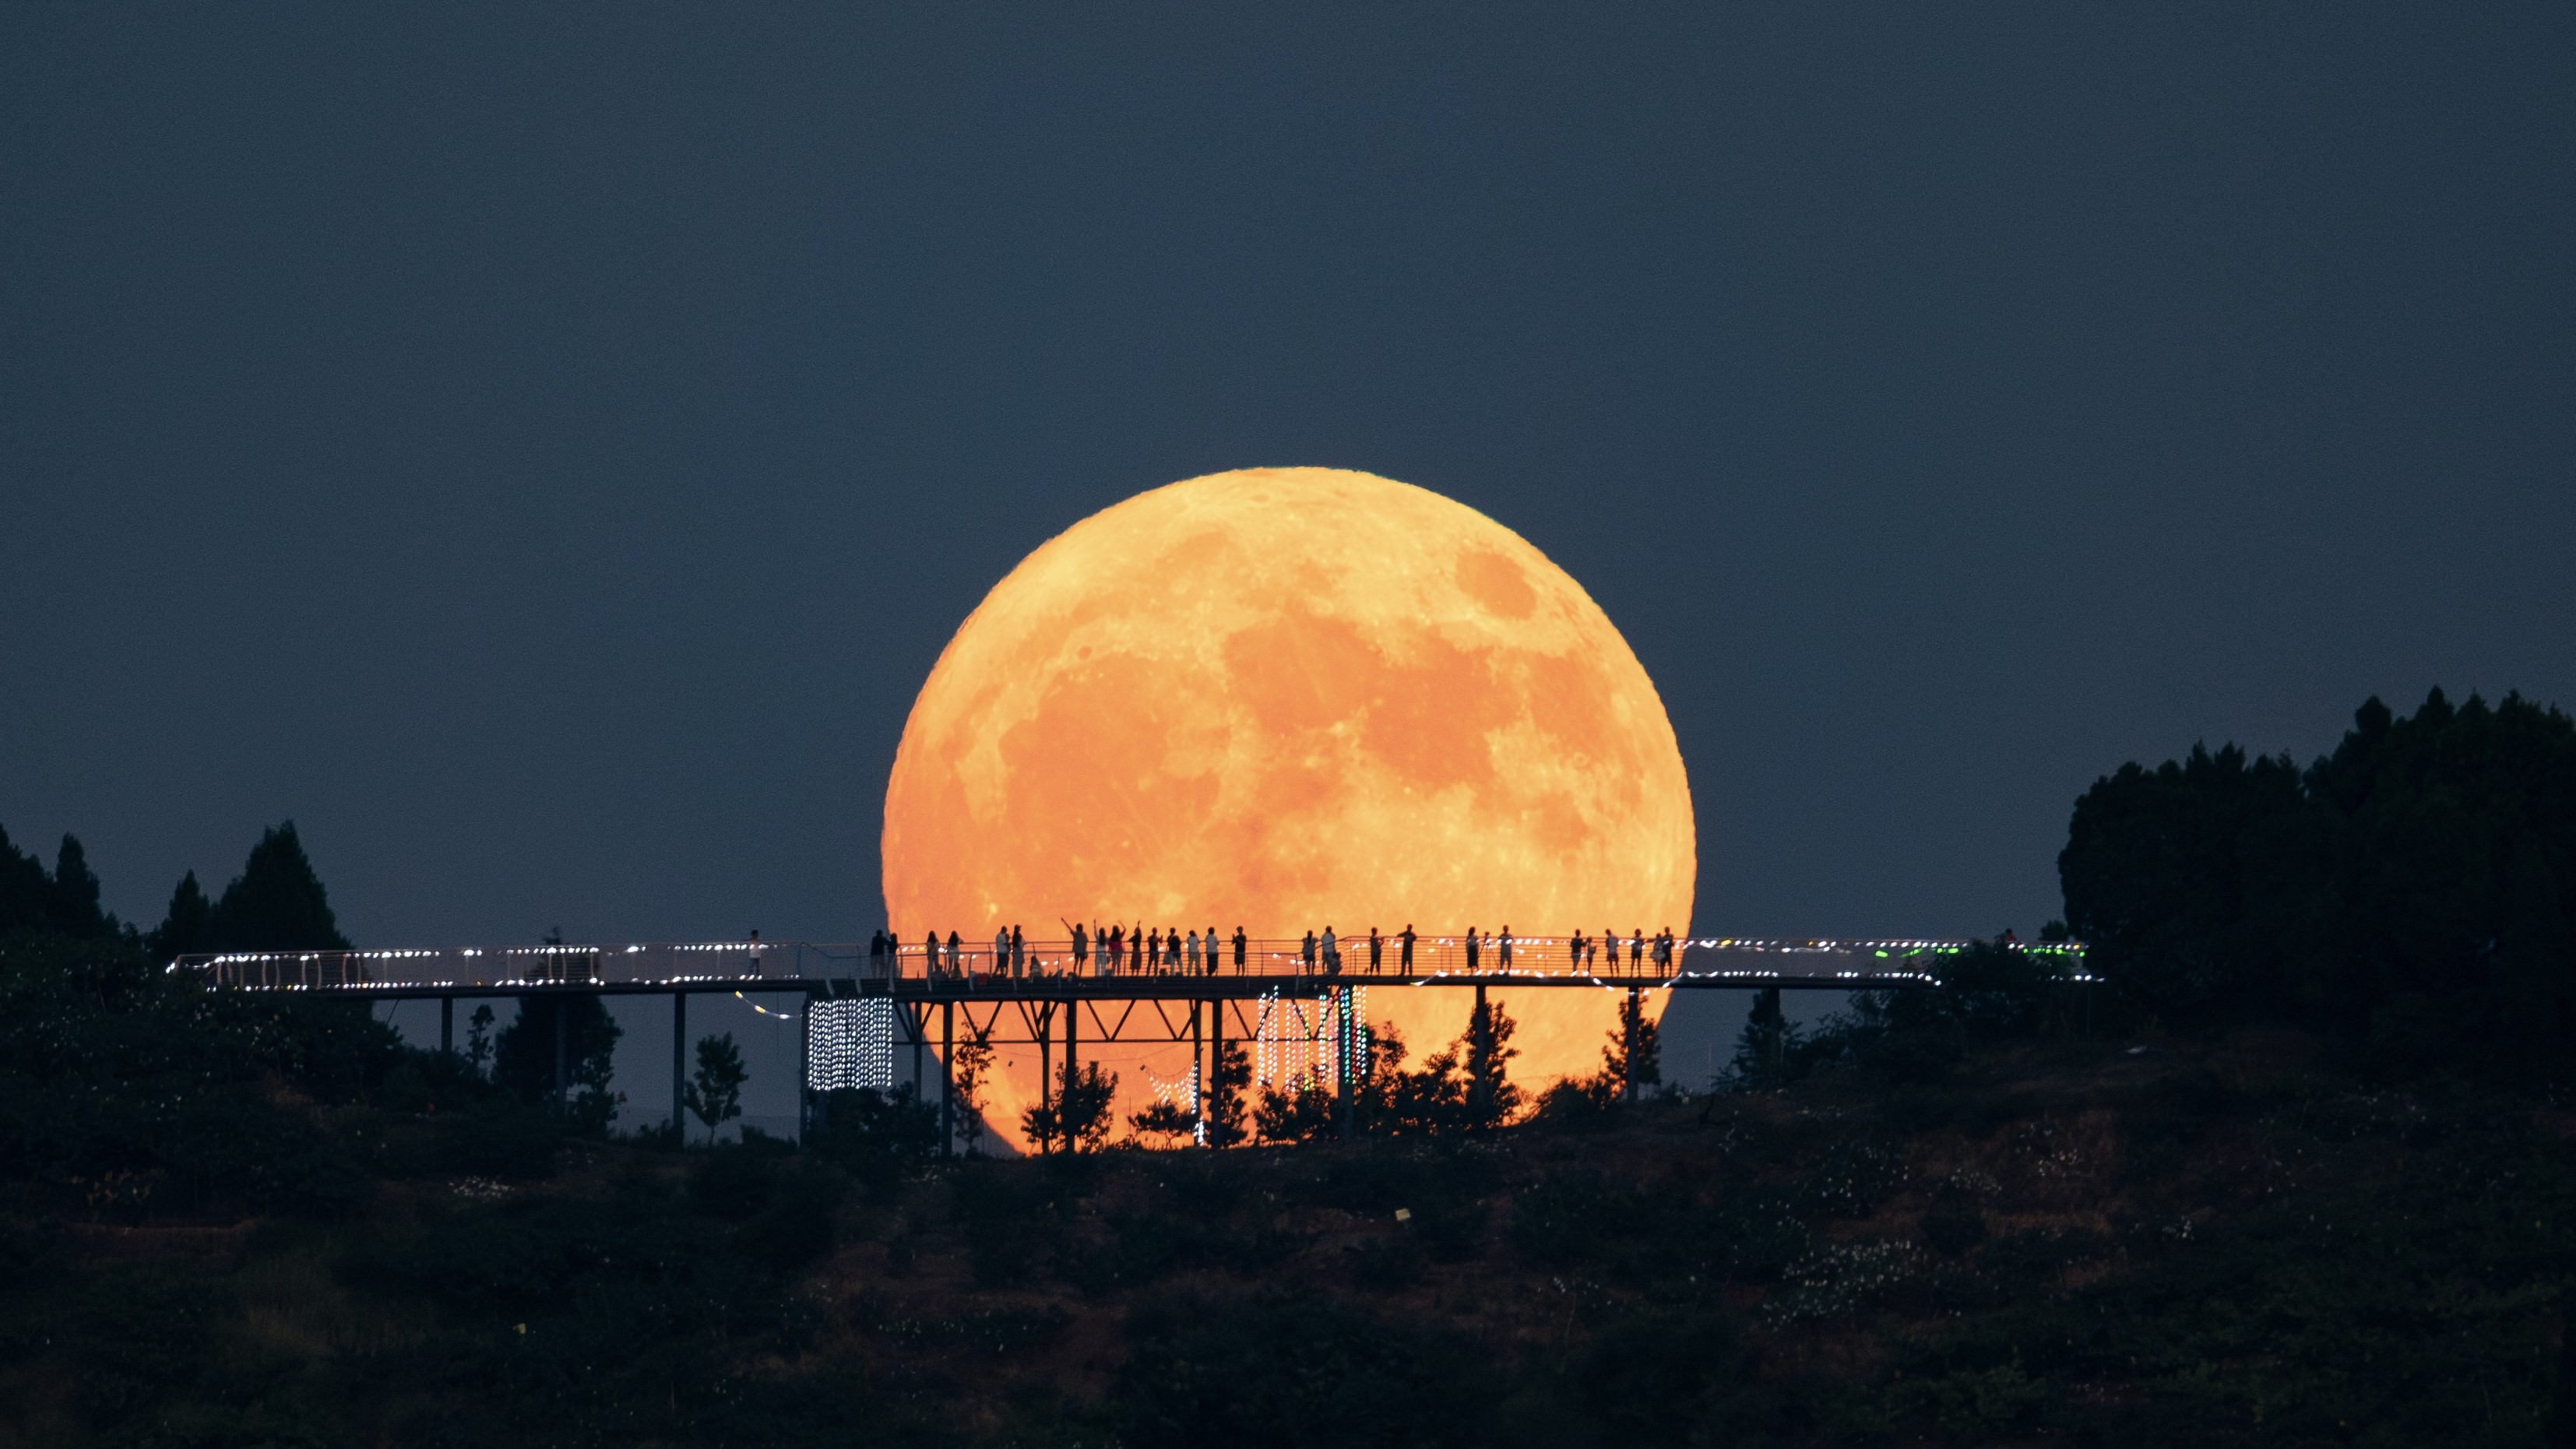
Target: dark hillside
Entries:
(2226, 1240)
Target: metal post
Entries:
(915, 1024)
(1345, 1040)
(1198, 1074)
(1046, 1064)
(1475, 1038)
(1628, 1047)
(679, 1065)
(447, 1024)
(947, 1078)
(1216, 1054)
(1072, 1035)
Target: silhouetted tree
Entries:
(277, 903)
(185, 925)
(1301, 1111)
(1492, 1097)
(1169, 1121)
(971, 1063)
(1079, 1117)
(26, 894)
(478, 1037)
(1766, 1051)
(1230, 1078)
(523, 1056)
(714, 1092)
(2408, 888)
(1642, 1066)
(72, 903)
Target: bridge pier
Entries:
(1346, 1039)
(1628, 1046)
(447, 1025)
(1476, 1080)
(1198, 1075)
(947, 1078)
(562, 1081)
(1046, 1061)
(679, 1067)
(1072, 1041)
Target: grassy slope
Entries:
(2211, 1243)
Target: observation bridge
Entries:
(863, 1004)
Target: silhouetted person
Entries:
(1406, 959)
(1307, 953)
(1503, 951)
(1377, 950)
(1637, 948)
(1471, 948)
(1240, 941)
(1332, 952)
(1211, 950)
(956, 952)
(1081, 945)
(1019, 950)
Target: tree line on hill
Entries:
(2405, 895)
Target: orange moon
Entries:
(1287, 698)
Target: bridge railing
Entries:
(918, 966)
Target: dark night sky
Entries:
(541, 453)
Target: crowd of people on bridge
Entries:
(1142, 950)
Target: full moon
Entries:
(1285, 699)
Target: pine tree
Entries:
(25, 894)
(1492, 1098)
(277, 903)
(1768, 1046)
(72, 895)
(185, 924)
(1643, 1067)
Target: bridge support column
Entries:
(804, 1070)
(947, 1078)
(679, 1067)
(1198, 1076)
(447, 1025)
(1216, 1055)
(1346, 1040)
(1072, 1039)
(1476, 1027)
(917, 1024)
(1046, 1062)
(1628, 1046)
(562, 1012)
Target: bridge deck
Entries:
(1051, 971)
